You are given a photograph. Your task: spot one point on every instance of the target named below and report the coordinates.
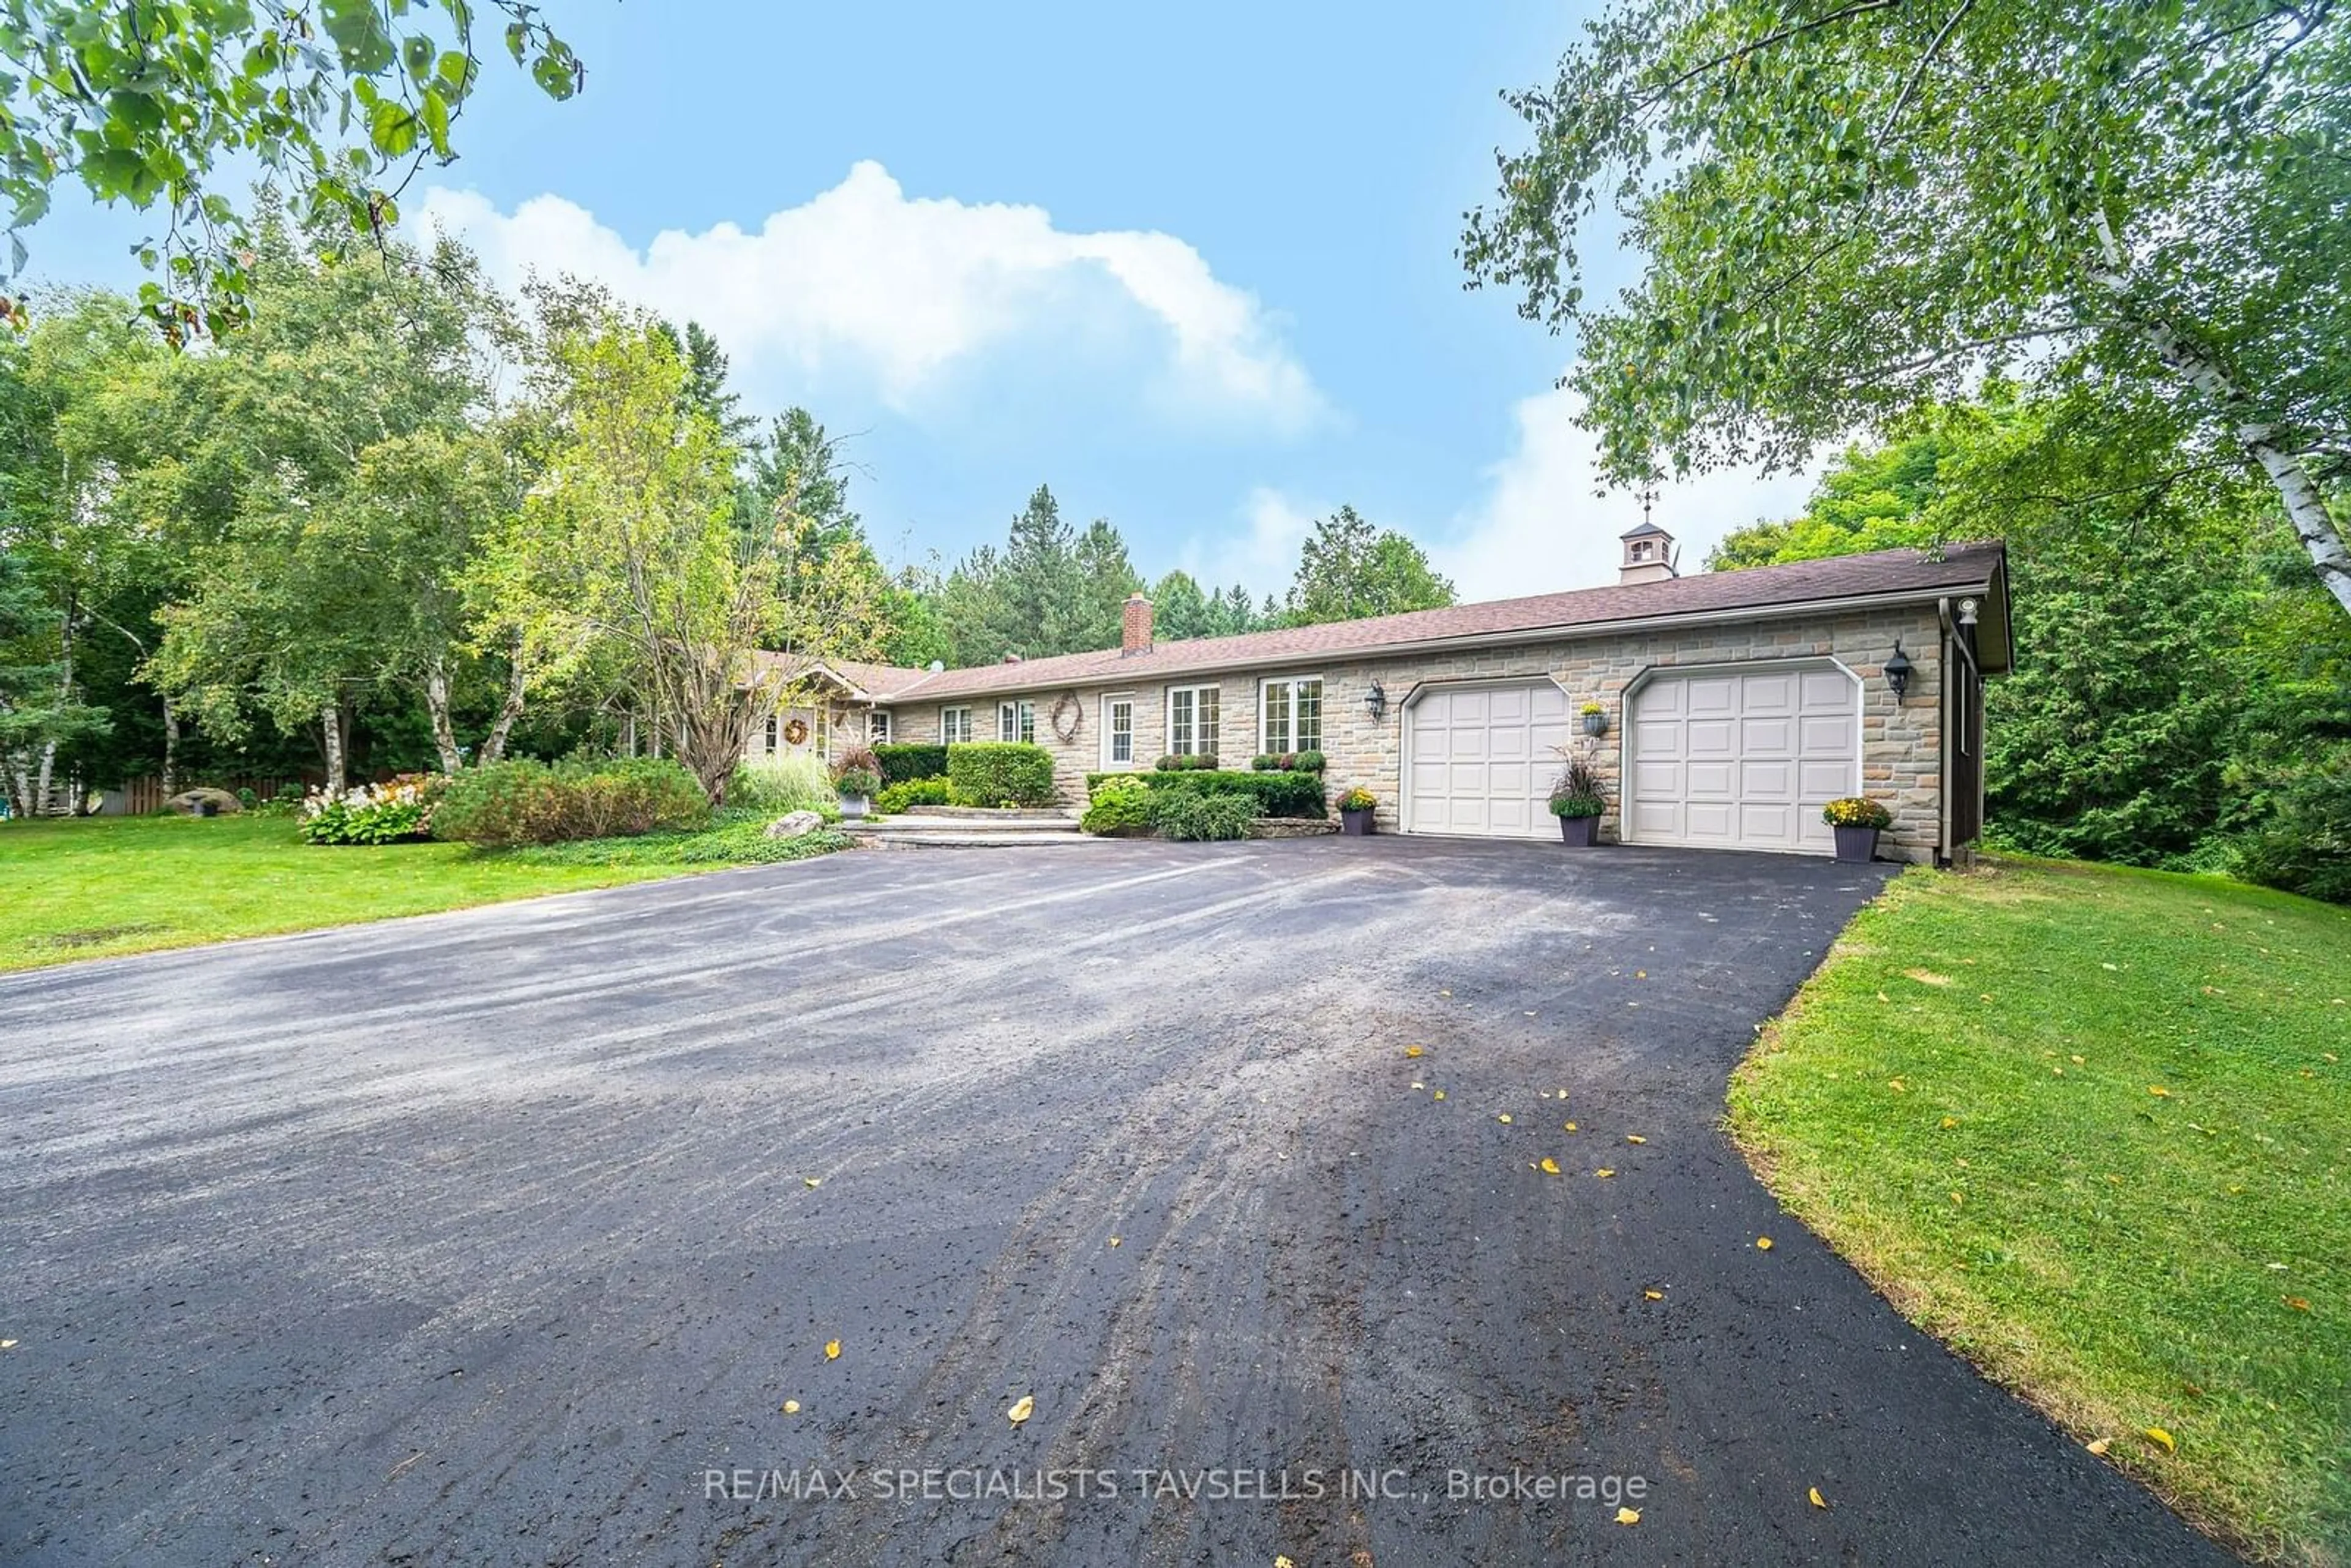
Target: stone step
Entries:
(1007, 825)
(947, 838)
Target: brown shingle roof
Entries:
(1897, 573)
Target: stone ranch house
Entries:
(1722, 709)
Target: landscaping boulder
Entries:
(205, 803)
(794, 824)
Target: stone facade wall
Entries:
(1901, 744)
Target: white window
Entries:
(824, 733)
(1118, 732)
(877, 727)
(1192, 720)
(1290, 716)
(1016, 721)
(954, 726)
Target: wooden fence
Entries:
(136, 797)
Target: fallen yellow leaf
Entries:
(1504, 1118)
(1412, 1050)
(1417, 1084)
(1763, 1244)
(2297, 1303)
(1283, 1562)
(2158, 1091)
(1440, 1095)
(1634, 1138)
(1114, 1240)
(833, 1350)
(2098, 1445)
(2159, 1436)
(1817, 1500)
(792, 1406)
(1603, 1171)
(1570, 1125)
(1949, 1123)
(1550, 1165)
(813, 1181)
(1628, 1516)
(1653, 1295)
(1022, 1409)
(1895, 1084)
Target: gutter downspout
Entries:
(1943, 724)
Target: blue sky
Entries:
(1194, 269)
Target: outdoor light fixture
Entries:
(1376, 703)
(1897, 671)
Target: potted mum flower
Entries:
(1355, 808)
(857, 774)
(1856, 823)
(1596, 718)
(1577, 799)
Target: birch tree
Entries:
(632, 560)
(1848, 207)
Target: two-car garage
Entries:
(1732, 757)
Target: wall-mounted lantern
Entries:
(1376, 703)
(1897, 671)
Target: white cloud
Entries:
(902, 295)
(1541, 526)
(1264, 554)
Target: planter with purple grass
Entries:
(1578, 797)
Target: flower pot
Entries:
(852, 806)
(1581, 831)
(1855, 844)
(1596, 723)
(1355, 824)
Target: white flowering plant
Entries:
(387, 813)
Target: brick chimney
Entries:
(1134, 630)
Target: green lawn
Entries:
(2093, 1128)
(88, 888)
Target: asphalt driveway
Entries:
(505, 1237)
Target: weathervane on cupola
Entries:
(1648, 550)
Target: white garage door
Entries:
(1744, 759)
(1481, 760)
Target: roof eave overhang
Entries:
(1995, 582)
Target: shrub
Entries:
(905, 763)
(1578, 791)
(1190, 764)
(2305, 846)
(1199, 816)
(1276, 794)
(1121, 808)
(1000, 772)
(528, 802)
(374, 813)
(1288, 763)
(792, 781)
(1308, 762)
(913, 792)
(1854, 811)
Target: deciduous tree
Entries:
(1848, 208)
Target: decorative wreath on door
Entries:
(1067, 714)
(795, 731)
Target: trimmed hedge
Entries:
(524, 802)
(1189, 762)
(905, 763)
(1278, 794)
(1288, 763)
(1200, 815)
(992, 772)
